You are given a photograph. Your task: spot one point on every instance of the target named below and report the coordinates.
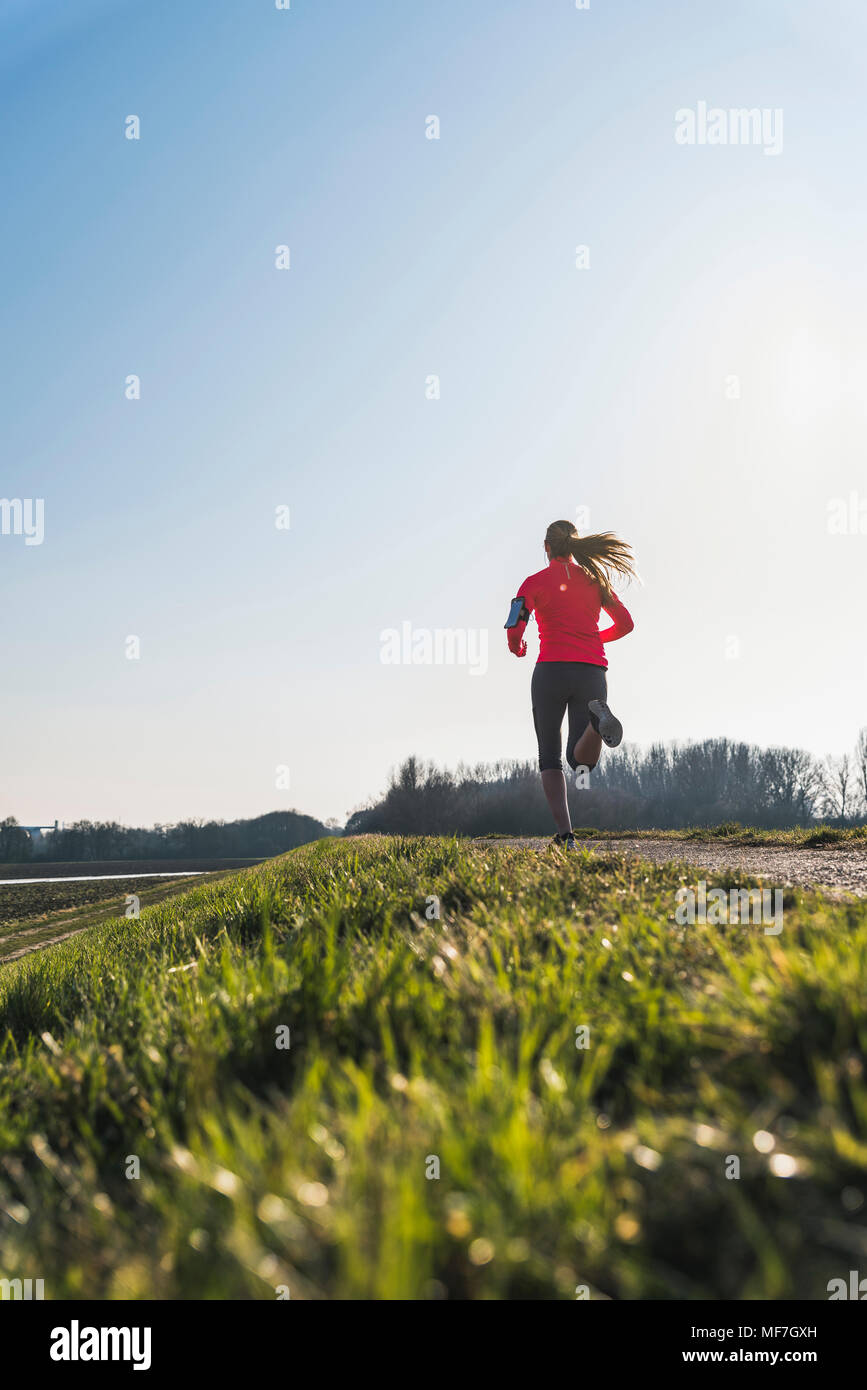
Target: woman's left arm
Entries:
(622, 623)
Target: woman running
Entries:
(567, 598)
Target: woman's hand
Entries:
(522, 650)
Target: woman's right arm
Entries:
(515, 635)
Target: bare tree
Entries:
(861, 768)
(838, 777)
(794, 784)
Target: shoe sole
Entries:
(610, 727)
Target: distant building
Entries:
(39, 833)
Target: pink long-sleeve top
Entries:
(567, 604)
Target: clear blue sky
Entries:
(561, 388)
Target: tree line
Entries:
(666, 787)
(259, 837)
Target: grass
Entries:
(450, 1039)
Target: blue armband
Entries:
(518, 613)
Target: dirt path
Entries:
(837, 870)
(39, 945)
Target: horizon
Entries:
(399, 289)
(331, 823)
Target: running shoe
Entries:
(607, 725)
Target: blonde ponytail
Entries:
(601, 556)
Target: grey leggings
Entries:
(556, 687)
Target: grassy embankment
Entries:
(454, 1038)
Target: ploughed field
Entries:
(429, 1068)
(35, 914)
(48, 868)
(42, 910)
